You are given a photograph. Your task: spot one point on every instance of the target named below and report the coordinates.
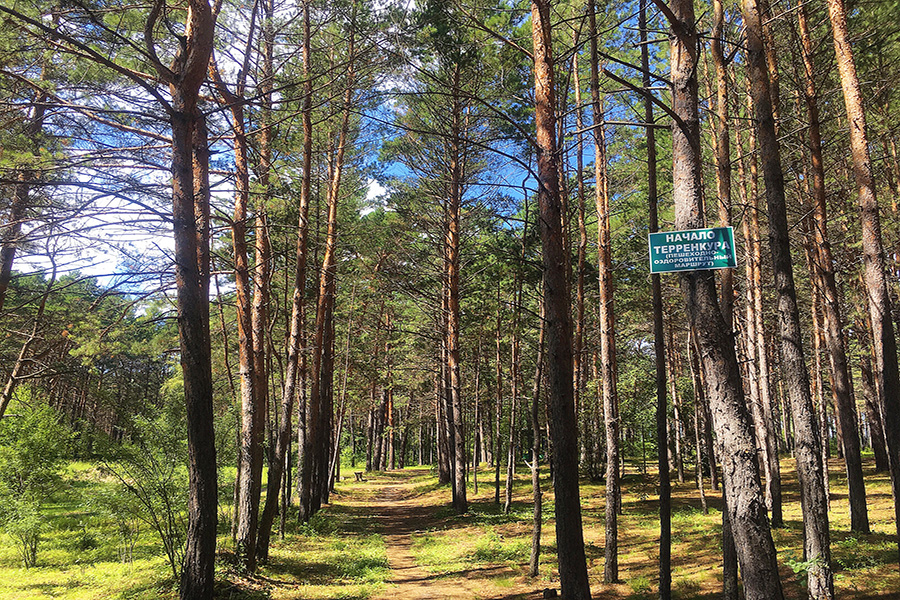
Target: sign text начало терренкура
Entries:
(692, 250)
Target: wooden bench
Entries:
(359, 475)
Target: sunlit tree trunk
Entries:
(250, 457)
(558, 322)
(578, 349)
(190, 214)
(761, 410)
(607, 317)
(294, 383)
(793, 366)
(278, 460)
(322, 388)
(454, 206)
(753, 539)
(879, 300)
(824, 265)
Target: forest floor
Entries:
(429, 552)
(405, 522)
(394, 536)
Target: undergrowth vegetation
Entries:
(92, 545)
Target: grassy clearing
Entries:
(865, 565)
(341, 554)
(80, 556)
(79, 552)
(337, 555)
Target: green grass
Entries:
(79, 551)
(340, 555)
(434, 554)
(334, 557)
(492, 548)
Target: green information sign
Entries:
(692, 250)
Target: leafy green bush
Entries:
(857, 553)
(32, 445)
(152, 474)
(24, 524)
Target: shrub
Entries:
(152, 475)
(32, 445)
(24, 524)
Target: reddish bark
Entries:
(563, 427)
(824, 266)
(884, 342)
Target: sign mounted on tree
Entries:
(692, 250)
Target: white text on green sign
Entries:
(692, 250)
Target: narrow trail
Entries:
(399, 520)
(401, 514)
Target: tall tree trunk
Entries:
(834, 339)
(883, 340)
(259, 321)
(818, 392)
(322, 389)
(607, 317)
(251, 456)
(535, 558)
(190, 214)
(753, 538)
(793, 366)
(819, 384)
(578, 349)
(295, 373)
(761, 409)
(498, 414)
(563, 426)
(659, 337)
(454, 206)
(278, 467)
(252, 403)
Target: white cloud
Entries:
(375, 197)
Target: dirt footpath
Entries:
(401, 515)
